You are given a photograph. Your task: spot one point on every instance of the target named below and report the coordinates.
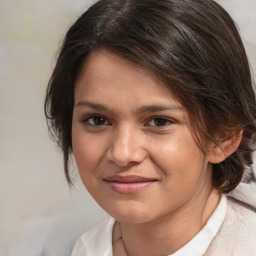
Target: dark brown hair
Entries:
(193, 45)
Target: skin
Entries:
(130, 138)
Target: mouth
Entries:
(128, 184)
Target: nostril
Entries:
(125, 158)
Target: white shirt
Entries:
(98, 241)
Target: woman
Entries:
(155, 101)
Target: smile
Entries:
(128, 184)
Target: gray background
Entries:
(36, 204)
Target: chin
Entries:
(132, 219)
(131, 215)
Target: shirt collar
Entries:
(200, 243)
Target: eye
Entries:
(160, 122)
(95, 121)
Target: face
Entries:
(132, 143)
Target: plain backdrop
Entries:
(35, 200)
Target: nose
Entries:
(127, 147)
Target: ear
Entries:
(225, 147)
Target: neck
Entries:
(169, 233)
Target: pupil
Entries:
(160, 122)
(98, 120)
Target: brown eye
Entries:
(96, 121)
(160, 122)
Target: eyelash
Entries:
(165, 121)
(86, 121)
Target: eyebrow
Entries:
(143, 109)
(95, 106)
(158, 108)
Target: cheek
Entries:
(88, 156)
(87, 151)
(178, 155)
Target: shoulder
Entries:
(97, 241)
(242, 208)
(237, 234)
(242, 217)
(241, 213)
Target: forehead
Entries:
(106, 63)
(105, 71)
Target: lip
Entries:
(128, 184)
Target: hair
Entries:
(193, 45)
